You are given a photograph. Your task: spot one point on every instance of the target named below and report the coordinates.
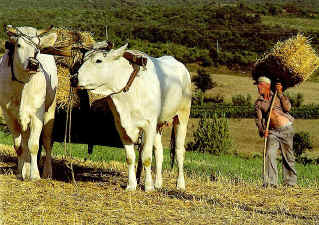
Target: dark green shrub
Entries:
(203, 80)
(302, 142)
(219, 98)
(197, 97)
(212, 136)
(241, 99)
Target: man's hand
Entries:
(266, 133)
(279, 88)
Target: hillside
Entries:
(209, 33)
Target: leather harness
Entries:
(136, 62)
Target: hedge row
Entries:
(231, 111)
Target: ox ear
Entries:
(48, 40)
(115, 54)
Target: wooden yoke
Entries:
(136, 62)
(134, 59)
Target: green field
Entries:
(196, 164)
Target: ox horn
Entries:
(43, 31)
(11, 31)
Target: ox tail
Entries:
(173, 141)
(173, 147)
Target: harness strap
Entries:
(136, 62)
(132, 77)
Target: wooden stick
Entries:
(267, 128)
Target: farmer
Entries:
(280, 135)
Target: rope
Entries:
(67, 134)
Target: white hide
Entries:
(29, 107)
(157, 95)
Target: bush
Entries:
(296, 100)
(302, 142)
(212, 136)
(219, 98)
(241, 99)
(203, 81)
(197, 97)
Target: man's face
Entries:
(263, 88)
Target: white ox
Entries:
(158, 94)
(27, 97)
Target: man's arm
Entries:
(286, 105)
(259, 118)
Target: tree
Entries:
(203, 82)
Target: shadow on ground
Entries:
(62, 171)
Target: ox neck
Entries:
(129, 76)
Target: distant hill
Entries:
(210, 33)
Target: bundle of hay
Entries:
(68, 39)
(290, 62)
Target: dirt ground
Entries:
(99, 198)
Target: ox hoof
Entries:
(35, 176)
(19, 177)
(26, 174)
(47, 173)
(130, 188)
(181, 186)
(158, 184)
(149, 188)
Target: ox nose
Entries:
(74, 81)
(33, 64)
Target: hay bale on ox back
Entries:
(67, 39)
(92, 121)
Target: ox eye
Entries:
(98, 61)
(18, 45)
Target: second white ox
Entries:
(28, 82)
(158, 94)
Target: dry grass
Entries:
(100, 198)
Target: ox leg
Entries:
(181, 128)
(147, 156)
(158, 148)
(130, 159)
(47, 140)
(17, 140)
(33, 146)
(24, 159)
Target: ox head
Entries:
(26, 42)
(96, 65)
